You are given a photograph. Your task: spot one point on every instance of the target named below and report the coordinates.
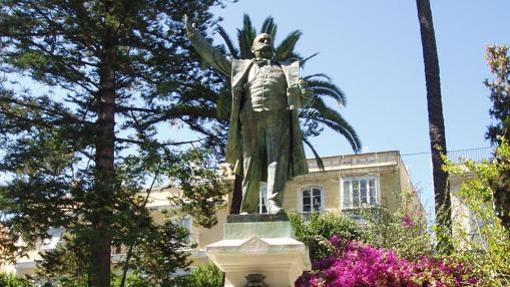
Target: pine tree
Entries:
(109, 72)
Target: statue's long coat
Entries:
(239, 74)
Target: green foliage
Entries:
(318, 228)
(499, 64)
(482, 221)
(404, 232)
(203, 192)
(204, 276)
(67, 262)
(9, 280)
(160, 252)
(132, 280)
(480, 238)
(66, 281)
(154, 249)
(400, 231)
(77, 150)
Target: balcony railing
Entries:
(476, 155)
(356, 160)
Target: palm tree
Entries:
(436, 125)
(315, 116)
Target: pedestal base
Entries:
(266, 248)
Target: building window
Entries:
(359, 191)
(261, 206)
(55, 235)
(187, 223)
(312, 199)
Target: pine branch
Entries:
(160, 144)
(233, 50)
(68, 117)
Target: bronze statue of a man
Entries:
(264, 140)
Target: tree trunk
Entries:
(436, 123)
(105, 174)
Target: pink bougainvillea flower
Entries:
(358, 265)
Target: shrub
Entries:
(319, 227)
(9, 280)
(357, 265)
(133, 280)
(401, 231)
(487, 243)
(204, 276)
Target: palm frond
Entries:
(318, 159)
(336, 122)
(268, 25)
(272, 31)
(293, 57)
(247, 26)
(326, 88)
(243, 47)
(246, 37)
(286, 47)
(303, 62)
(245, 41)
(317, 75)
(234, 52)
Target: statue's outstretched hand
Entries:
(189, 27)
(209, 54)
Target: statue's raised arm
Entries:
(210, 54)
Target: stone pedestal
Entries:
(259, 251)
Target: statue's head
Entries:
(262, 46)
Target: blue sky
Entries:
(372, 50)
